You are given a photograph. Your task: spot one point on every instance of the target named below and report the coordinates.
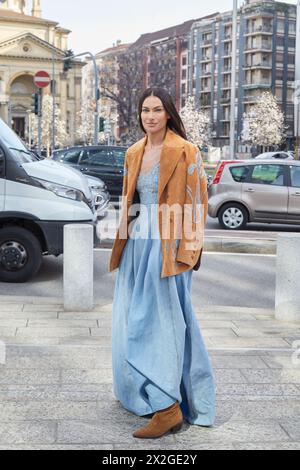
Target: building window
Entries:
(292, 26)
(280, 41)
(280, 25)
(292, 43)
(279, 57)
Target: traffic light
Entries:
(102, 124)
(67, 65)
(68, 61)
(35, 104)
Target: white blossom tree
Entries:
(85, 122)
(263, 124)
(196, 122)
(61, 135)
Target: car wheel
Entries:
(233, 216)
(20, 255)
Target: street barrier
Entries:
(287, 298)
(78, 270)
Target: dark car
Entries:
(103, 162)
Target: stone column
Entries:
(78, 267)
(287, 301)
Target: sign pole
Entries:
(40, 121)
(41, 79)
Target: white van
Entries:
(37, 198)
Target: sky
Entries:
(97, 25)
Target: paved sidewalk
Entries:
(56, 382)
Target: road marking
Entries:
(213, 253)
(252, 349)
(94, 346)
(237, 254)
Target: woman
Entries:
(160, 363)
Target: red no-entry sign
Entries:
(42, 79)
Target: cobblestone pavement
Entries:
(56, 381)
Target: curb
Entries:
(228, 245)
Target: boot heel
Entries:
(176, 428)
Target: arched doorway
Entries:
(21, 91)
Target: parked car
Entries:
(276, 155)
(104, 162)
(37, 199)
(265, 191)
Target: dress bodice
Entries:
(147, 185)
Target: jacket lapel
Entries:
(170, 155)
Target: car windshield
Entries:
(24, 156)
(15, 144)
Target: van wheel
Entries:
(20, 254)
(233, 216)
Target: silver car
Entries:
(264, 191)
(276, 155)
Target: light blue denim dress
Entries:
(158, 352)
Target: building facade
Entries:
(165, 59)
(29, 43)
(266, 41)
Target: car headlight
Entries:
(62, 191)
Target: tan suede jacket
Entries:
(182, 199)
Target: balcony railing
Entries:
(260, 29)
(263, 45)
(260, 64)
(251, 99)
(260, 83)
(205, 103)
(225, 100)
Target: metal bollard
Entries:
(287, 299)
(78, 268)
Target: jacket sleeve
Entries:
(122, 230)
(125, 178)
(195, 210)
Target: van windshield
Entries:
(15, 144)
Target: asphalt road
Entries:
(224, 279)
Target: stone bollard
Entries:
(287, 299)
(78, 268)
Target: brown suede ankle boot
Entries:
(163, 421)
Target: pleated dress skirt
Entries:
(158, 352)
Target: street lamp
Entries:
(297, 87)
(233, 80)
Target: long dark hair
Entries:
(175, 122)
